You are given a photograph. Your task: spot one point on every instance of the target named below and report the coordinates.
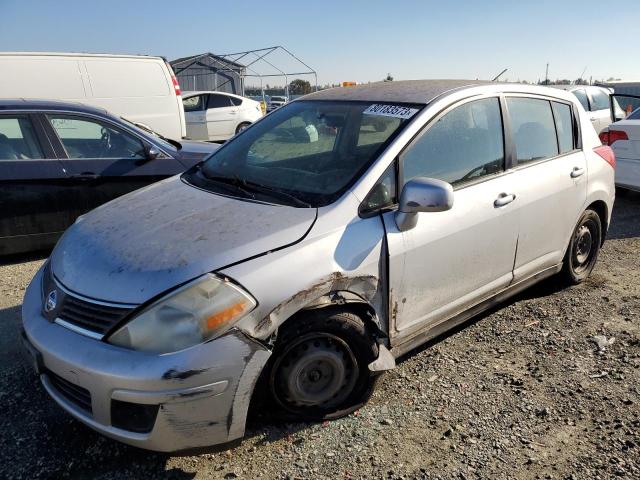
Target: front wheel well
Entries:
(603, 212)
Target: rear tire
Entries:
(583, 249)
(319, 367)
(242, 126)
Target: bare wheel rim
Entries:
(318, 370)
(584, 247)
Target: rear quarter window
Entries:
(564, 126)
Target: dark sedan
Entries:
(59, 160)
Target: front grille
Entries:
(91, 316)
(77, 395)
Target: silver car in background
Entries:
(312, 250)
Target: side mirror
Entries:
(422, 195)
(152, 153)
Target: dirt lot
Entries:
(521, 392)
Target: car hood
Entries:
(144, 243)
(193, 152)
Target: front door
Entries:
(34, 201)
(452, 260)
(195, 117)
(104, 161)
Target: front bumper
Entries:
(202, 392)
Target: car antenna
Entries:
(499, 75)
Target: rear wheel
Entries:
(242, 126)
(320, 366)
(583, 249)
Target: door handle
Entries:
(576, 172)
(86, 176)
(504, 199)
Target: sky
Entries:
(350, 40)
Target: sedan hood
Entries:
(149, 241)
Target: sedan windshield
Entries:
(306, 153)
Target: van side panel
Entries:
(137, 88)
(41, 77)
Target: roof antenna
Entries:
(499, 75)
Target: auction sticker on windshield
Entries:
(396, 111)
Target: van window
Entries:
(599, 100)
(84, 138)
(564, 126)
(463, 145)
(533, 129)
(581, 95)
(218, 101)
(194, 104)
(18, 140)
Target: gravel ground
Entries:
(523, 391)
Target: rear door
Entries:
(103, 160)
(34, 201)
(221, 116)
(550, 177)
(195, 116)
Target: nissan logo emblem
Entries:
(51, 302)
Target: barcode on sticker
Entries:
(396, 111)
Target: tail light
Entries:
(174, 80)
(606, 153)
(612, 136)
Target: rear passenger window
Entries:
(599, 100)
(533, 129)
(236, 101)
(463, 145)
(18, 140)
(564, 126)
(581, 95)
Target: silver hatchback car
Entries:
(309, 252)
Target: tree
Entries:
(581, 81)
(389, 78)
(299, 87)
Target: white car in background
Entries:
(623, 137)
(276, 102)
(218, 116)
(596, 101)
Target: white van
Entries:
(142, 89)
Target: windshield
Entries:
(310, 150)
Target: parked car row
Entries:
(308, 253)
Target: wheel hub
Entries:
(584, 244)
(317, 371)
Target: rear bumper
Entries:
(202, 393)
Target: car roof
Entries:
(421, 91)
(40, 104)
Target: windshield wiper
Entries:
(150, 130)
(258, 187)
(245, 185)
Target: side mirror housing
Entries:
(152, 152)
(422, 195)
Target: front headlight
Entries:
(193, 314)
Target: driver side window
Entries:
(84, 138)
(461, 146)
